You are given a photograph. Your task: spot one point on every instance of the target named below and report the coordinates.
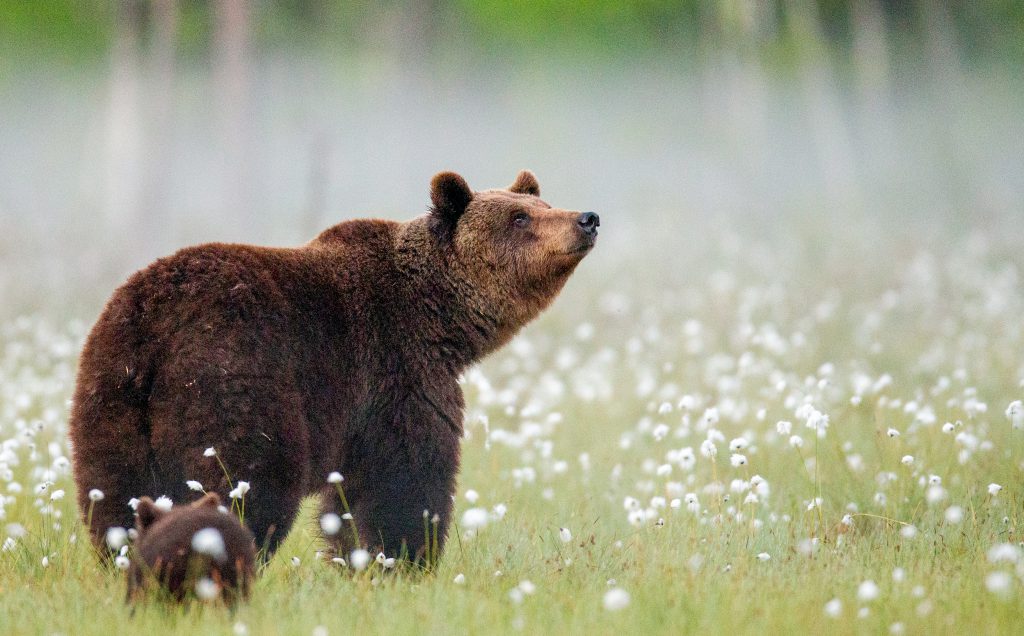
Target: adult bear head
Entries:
(514, 249)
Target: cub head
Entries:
(509, 242)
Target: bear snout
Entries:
(588, 222)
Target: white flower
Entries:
(209, 541)
(474, 518)
(954, 514)
(738, 460)
(908, 460)
(834, 608)
(296, 562)
(56, 495)
(207, 589)
(738, 444)
(330, 523)
(389, 563)
(122, 562)
(764, 556)
(46, 561)
(565, 535)
(209, 452)
(95, 495)
(380, 558)
(708, 449)
(784, 427)
(892, 432)
(908, 532)
(133, 503)
(460, 579)
(335, 478)
(867, 591)
(359, 559)
(616, 599)
(1004, 553)
(194, 485)
(239, 491)
(993, 489)
(527, 587)
(116, 537)
(472, 496)
(796, 441)
(998, 583)
(163, 503)
(1015, 413)
(948, 427)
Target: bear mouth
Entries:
(582, 248)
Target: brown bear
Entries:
(192, 550)
(292, 363)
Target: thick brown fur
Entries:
(340, 355)
(164, 556)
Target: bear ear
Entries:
(525, 183)
(147, 513)
(449, 196)
(209, 500)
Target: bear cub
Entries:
(192, 551)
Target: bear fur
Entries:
(340, 355)
(167, 557)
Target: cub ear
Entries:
(449, 196)
(147, 514)
(209, 500)
(525, 183)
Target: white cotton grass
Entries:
(210, 542)
(834, 608)
(359, 559)
(460, 579)
(475, 518)
(116, 538)
(240, 490)
(207, 589)
(163, 503)
(194, 486)
(210, 452)
(565, 535)
(330, 523)
(95, 495)
(999, 583)
(335, 478)
(868, 591)
(616, 599)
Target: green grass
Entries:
(726, 332)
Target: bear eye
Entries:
(521, 219)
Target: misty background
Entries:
(704, 133)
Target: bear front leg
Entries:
(402, 481)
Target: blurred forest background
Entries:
(130, 128)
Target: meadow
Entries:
(759, 442)
(783, 394)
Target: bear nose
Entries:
(589, 222)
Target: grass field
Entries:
(748, 432)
